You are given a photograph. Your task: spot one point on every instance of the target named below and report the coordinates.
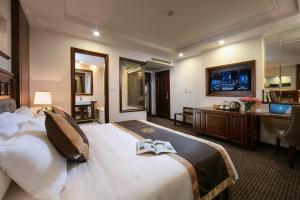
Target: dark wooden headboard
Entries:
(7, 85)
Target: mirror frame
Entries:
(120, 83)
(73, 51)
(92, 82)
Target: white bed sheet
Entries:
(115, 172)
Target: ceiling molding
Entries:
(242, 26)
(67, 22)
(252, 21)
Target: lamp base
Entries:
(43, 109)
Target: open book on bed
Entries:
(155, 147)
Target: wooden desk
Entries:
(255, 125)
(241, 127)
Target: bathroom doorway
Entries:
(89, 86)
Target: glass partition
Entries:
(132, 85)
(282, 67)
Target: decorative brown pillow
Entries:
(72, 121)
(66, 138)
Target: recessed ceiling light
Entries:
(221, 42)
(96, 33)
(180, 54)
(81, 62)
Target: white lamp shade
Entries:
(42, 98)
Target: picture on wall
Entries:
(4, 30)
(236, 79)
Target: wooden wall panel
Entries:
(20, 53)
(298, 77)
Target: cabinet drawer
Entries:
(217, 125)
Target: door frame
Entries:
(150, 91)
(157, 91)
(106, 78)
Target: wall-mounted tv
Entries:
(236, 80)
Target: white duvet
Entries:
(115, 172)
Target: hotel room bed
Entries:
(115, 172)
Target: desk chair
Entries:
(187, 113)
(291, 136)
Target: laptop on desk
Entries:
(278, 108)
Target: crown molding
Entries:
(245, 25)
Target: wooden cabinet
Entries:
(230, 126)
(197, 121)
(217, 124)
(237, 128)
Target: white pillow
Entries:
(9, 119)
(8, 132)
(40, 121)
(34, 164)
(9, 123)
(4, 183)
(25, 111)
(29, 128)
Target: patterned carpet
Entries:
(263, 175)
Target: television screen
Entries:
(233, 80)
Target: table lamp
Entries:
(42, 98)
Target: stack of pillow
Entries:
(34, 151)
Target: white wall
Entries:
(50, 69)
(188, 81)
(186, 84)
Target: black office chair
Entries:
(291, 136)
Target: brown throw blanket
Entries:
(210, 170)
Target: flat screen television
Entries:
(231, 80)
(235, 80)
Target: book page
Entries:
(145, 146)
(163, 147)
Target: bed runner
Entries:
(207, 165)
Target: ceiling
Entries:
(147, 24)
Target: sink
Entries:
(83, 103)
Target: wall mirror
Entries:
(282, 67)
(83, 82)
(132, 85)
